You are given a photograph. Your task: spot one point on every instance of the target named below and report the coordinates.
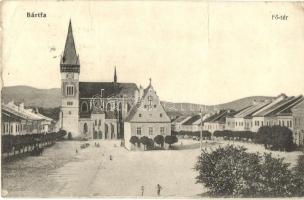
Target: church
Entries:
(92, 110)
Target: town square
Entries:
(152, 100)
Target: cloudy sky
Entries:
(195, 51)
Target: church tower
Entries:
(69, 70)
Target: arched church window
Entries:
(84, 106)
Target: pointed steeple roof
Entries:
(69, 56)
(115, 75)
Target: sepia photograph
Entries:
(152, 99)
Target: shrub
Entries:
(150, 144)
(159, 139)
(171, 139)
(231, 171)
(134, 140)
(145, 141)
(275, 138)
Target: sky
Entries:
(196, 52)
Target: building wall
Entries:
(298, 122)
(213, 126)
(131, 130)
(286, 121)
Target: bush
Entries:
(231, 171)
(134, 140)
(145, 141)
(159, 139)
(171, 139)
(275, 138)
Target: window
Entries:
(84, 106)
(70, 112)
(70, 103)
(70, 90)
(162, 130)
(262, 123)
(95, 122)
(290, 123)
(139, 115)
(150, 130)
(161, 115)
(99, 122)
(138, 130)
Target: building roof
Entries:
(180, 119)
(285, 109)
(247, 112)
(69, 56)
(277, 107)
(220, 117)
(27, 114)
(192, 120)
(91, 89)
(299, 106)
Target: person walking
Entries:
(158, 189)
(142, 190)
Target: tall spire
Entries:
(69, 60)
(115, 75)
(69, 54)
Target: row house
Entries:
(242, 120)
(192, 124)
(16, 120)
(177, 123)
(274, 114)
(217, 121)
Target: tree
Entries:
(231, 171)
(134, 140)
(275, 138)
(159, 139)
(171, 139)
(145, 141)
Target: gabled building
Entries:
(146, 118)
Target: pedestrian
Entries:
(158, 189)
(76, 151)
(142, 190)
(110, 157)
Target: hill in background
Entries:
(48, 101)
